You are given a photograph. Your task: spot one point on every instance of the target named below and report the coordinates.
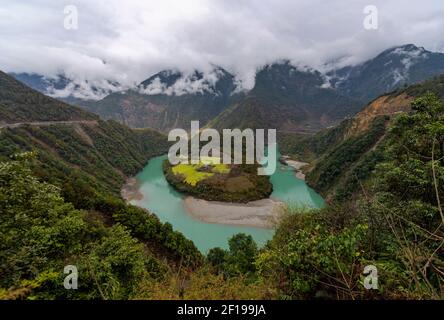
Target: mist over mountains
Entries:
(68, 89)
(284, 96)
(393, 68)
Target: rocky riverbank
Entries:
(260, 214)
(130, 191)
(297, 165)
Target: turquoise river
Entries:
(159, 197)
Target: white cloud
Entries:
(86, 90)
(187, 83)
(127, 41)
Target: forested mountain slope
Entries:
(105, 153)
(345, 156)
(86, 165)
(383, 174)
(19, 103)
(71, 137)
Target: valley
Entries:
(77, 187)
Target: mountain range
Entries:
(171, 99)
(286, 97)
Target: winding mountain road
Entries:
(45, 123)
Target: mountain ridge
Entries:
(68, 89)
(170, 99)
(286, 97)
(15, 99)
(391, 69)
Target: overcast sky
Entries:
(130, 40)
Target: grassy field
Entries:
(194, 173)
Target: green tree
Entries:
(242, 254)
(40, 234)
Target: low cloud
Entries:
(187, 83)
(86, 90)
(125, 42)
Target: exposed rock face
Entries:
(386, 105)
